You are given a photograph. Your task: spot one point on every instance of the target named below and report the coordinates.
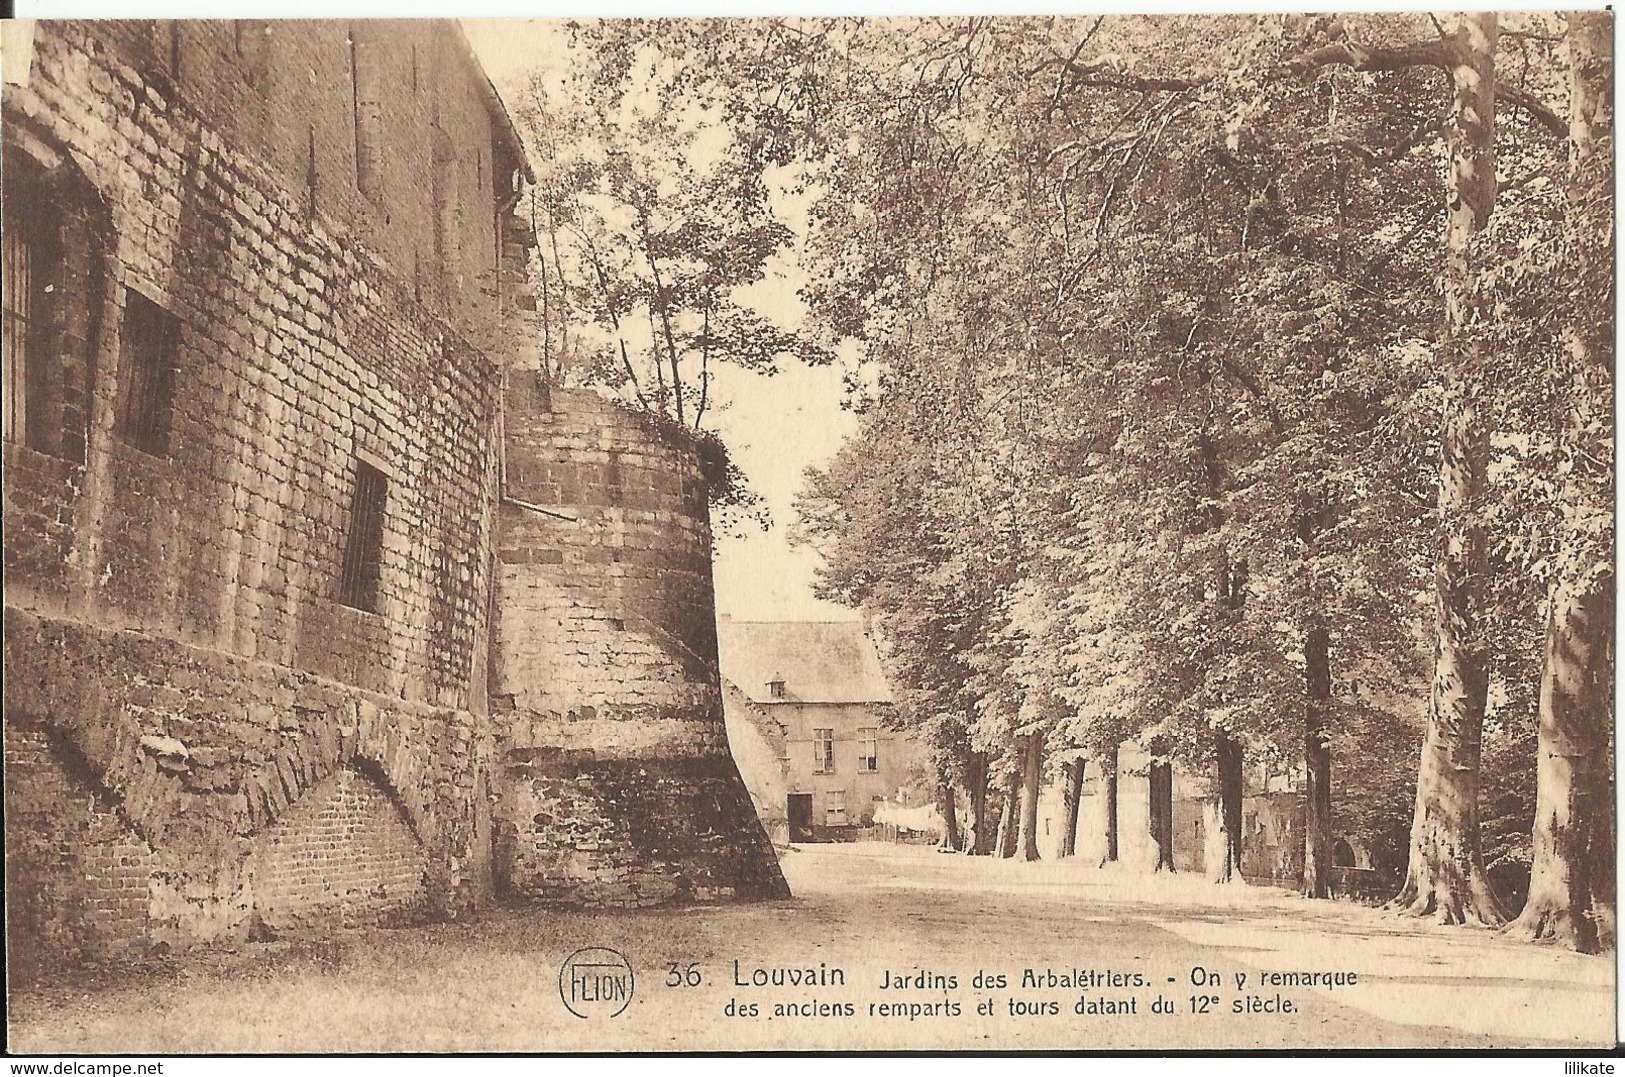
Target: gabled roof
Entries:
(819, 661)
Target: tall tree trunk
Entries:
(1571, 881)
(1005, 829)
(1108, 791)
(1313, 517)
(1031, 785)
(976, 776)
(1571, 878)
(1010, 816)
(1228, 751)
(1445, 878)
(1160, 813)
(1071, 796)
(1317, 765)
(947, 801)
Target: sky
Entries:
(776, 427)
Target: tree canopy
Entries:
(1224, 380)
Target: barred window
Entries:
(21, 330)
(35, 377)
(364, 542)
(149, 360)
(52, 273)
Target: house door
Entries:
(799, 808)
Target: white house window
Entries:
(835, 808)
(868, 749)
(824, 750)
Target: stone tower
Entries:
(614, 784)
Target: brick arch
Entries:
(344, 854)
(199, 805)
(400, 749)
(390, 743)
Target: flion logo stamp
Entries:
(596, 981)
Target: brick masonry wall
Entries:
(81, 873)
(282, 91)
(1272, 838)
(345, 855)
(201, 754)
(173, 620)
(296, 349)
(618, 786)
(1272, 824)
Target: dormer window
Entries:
(775, 687)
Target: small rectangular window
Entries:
(364, 542)
(868, 749)
(151, 356)
(824, 750)
(835, 808)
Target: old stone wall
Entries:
(176, 624)
(344, 855)
(757, 741)
(200, 755)
(617, 786)
(383, 129)
(1272, 824)
(1272, 838)
(253, 528)
(1135, 846)
(77, 873)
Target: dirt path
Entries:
(877, 913)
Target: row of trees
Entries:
(1203, 360)
(1197, 352)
